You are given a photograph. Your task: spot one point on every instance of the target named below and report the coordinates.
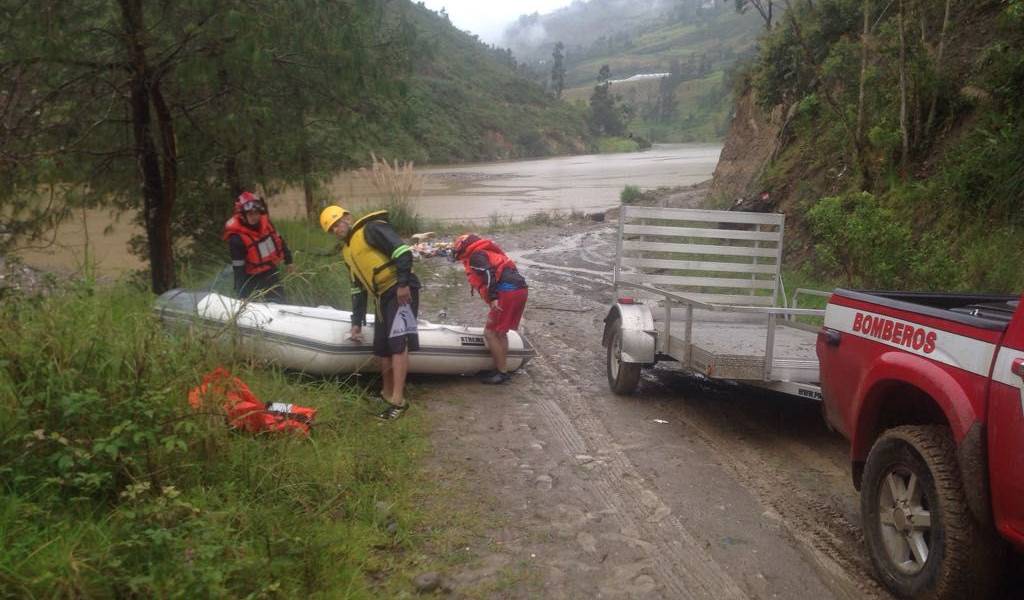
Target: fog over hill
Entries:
(669, 59)
(582, 23)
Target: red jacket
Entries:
(264, 248)
(497, 262)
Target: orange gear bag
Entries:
(244, 410)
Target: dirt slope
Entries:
(752, 140)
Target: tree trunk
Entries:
(156, 202)
(259, 168)
(169, 161)
(859, 149)
(232, 175)
(863, 77)
(231, 171)
(306, 166)
(938, 70)
(905, 151)
(308, 183)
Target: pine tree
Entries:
(169, 109)
(558, 69)
(605, 116)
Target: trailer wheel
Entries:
(622, 377)
(920, 533)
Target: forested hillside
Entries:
(694, 43)
(893, 135)
(469, 102)
(168, 109)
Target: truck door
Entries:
(1006, 433)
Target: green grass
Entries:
(610, 145)
(507, 223)
(111, 485)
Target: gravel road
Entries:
(686, 490)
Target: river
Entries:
(478, 192)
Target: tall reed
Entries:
(399, 186)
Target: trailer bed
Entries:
(706, 289)
(737, 351)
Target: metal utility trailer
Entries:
(705, 290)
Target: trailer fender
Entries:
(639, 337)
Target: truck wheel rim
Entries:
(616, 353)
(905, 520)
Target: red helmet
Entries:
(462, 243)
(249, 201)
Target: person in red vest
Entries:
(495, 277)
(256, 251)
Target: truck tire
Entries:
(920, 533)
(622, 377)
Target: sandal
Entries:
(392, 412)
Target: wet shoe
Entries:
(392, 412)
(497, 379)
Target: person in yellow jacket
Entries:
(380, 263)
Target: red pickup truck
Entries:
(929, 388)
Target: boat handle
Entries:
(1018, 367)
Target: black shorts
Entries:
(263, 287)
(387, 308)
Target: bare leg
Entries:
(385, 378)
(399, 368)
(497, 343)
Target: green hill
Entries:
(898, 152)
(696, 43)
(468, 101)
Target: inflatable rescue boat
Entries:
(315, 339)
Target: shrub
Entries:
(630, 194)
(861, 240)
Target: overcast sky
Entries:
(488, 18)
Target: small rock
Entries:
(427, 582)
(544, 482)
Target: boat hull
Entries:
(315, 339)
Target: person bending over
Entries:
(495, 277)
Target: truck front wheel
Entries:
(922, 537)
(622, 377)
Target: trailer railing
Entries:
(715, 261)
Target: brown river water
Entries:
(477, 193)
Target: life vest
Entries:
(497, 260)
(244, 410)
(371, 267)
(264, 248)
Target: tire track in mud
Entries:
(683, 567)
(823, 535)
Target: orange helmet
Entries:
(462, 243)
(247, 201)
